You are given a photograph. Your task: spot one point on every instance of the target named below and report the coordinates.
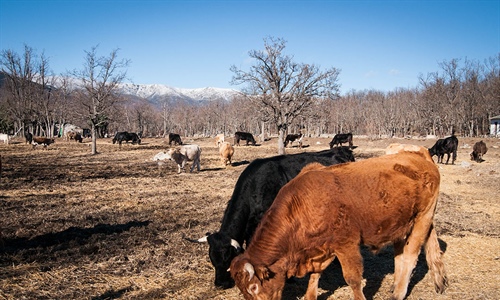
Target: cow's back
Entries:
(261, 181)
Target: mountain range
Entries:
(157, 93)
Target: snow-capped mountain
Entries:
(158, 92)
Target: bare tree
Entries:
(282, 87)
(47, 102)
(21, 92)
(100, 77)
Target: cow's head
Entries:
(474, 156)
(171, 153)
(160, 156)
(256, 282)
(222, 250)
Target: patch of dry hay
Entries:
(113, 226)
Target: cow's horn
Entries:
(249, 268)
(200, 240)
(235, 244)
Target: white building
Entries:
(495, 126)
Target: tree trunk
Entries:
(281, 144)
(94, 140)
(263, 132)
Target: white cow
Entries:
(5, 138)
(181, 155)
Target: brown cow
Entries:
(328, 212)
(478, 151)
(37, 140)
(73, 135)
(226, 151)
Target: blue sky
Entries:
(377, 44)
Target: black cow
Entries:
(290, 138)
(478, 151)
(126, 136)
(253, 194)
(78, 137)
(245, 136)
(445, 146)
(86, 133)
(174, 138)
(28, 137)
(341, 138)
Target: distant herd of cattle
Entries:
(292, 215)
(444, 146)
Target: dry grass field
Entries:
(113, 225)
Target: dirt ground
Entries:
(113, 225)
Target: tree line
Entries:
(278, 96)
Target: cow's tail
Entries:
(433, 255)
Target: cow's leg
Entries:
(447, 157)
(454, 157)
(411, 250)
(196, 162)
(398, 260)
(351, 261)
(312, 287)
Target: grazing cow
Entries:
(478, 151)
(181, 155)
(245, 136)
(290, 138)
(445, 146)
(328, 212)
(28, 137)
(341, 138)
(174, 138)
(219, 139)
(126, 136)
(226, 151)
(254, 192)
(5, 138)
(73, 135)
(37, 140)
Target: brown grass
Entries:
(112, 226)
